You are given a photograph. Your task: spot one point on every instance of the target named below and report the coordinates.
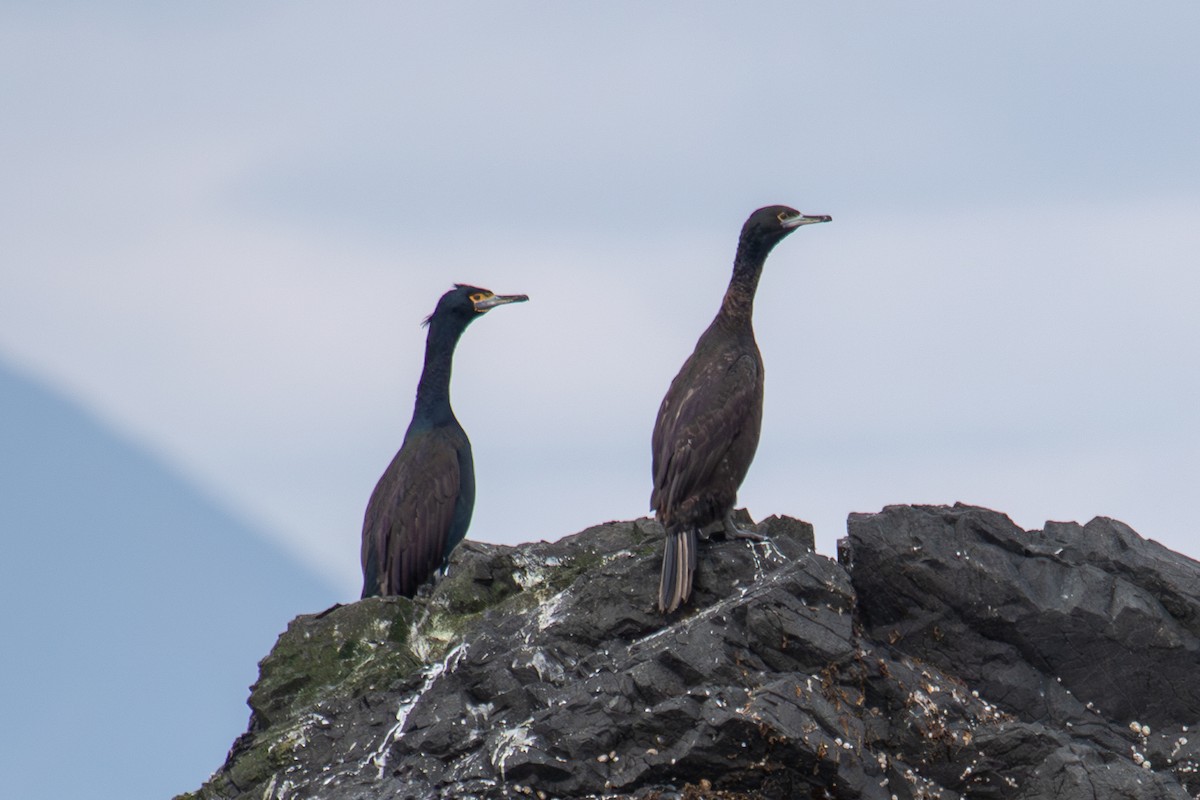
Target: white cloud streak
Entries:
(223, 229)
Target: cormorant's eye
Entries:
(475, 298)
(782, 216)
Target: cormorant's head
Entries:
(769, 225)
(464, 303)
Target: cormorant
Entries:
(708, 424)
(422, 505)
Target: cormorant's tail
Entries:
(679, 564)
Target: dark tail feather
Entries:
(679, 564)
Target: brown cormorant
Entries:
(708, 424)
(422, 505)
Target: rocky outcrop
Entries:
(949, 654)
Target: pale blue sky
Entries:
(223, 224)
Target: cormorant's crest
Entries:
(467, 296)
(458, 287)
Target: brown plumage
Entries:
(708, 424)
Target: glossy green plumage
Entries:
(421, 507)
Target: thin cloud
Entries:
(225, 227)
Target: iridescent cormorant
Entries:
(421, 507)
(707, 427)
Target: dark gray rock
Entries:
(951, 655)
(1090, 631)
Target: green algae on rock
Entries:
(929, 661)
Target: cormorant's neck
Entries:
(433, 391)
(737, 308)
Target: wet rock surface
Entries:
(950, 655)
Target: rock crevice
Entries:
(947, 654)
